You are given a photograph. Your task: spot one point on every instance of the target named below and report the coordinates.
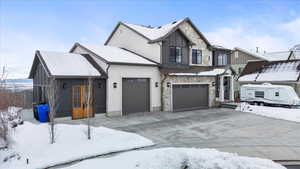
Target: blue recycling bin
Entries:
(43, 112)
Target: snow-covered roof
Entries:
(273, 56)
(214, 72)
(68, 64)
(154, 33)
(117, 55)
(274, 72)
(249, 52)
(269, 56)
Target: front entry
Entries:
(227, 88)
(81, 108)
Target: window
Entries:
(259, 94)
(175, 55)
(222, 59)
(276, 93)
(196, 56)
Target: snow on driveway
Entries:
(273, 112)
(177, 158)
(32, 142)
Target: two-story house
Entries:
(139, 69)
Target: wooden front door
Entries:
(81, 108)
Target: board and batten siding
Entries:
(126, 38)
(238, 57)
(176, 39)
(40, 82)
(65, 87)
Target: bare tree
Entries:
(3, 119)
(52, 94)
(89, 97)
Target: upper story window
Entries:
(175, 54)
(196, 56)
(222, 59)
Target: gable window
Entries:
(276, 93)
(196, 56)
(222, 59)
(175, 54)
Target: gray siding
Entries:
(242, 58)
(65, 107)
(40, 81)
(216, 53)
(175, 39)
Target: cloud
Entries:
(270, 38)
(17, 50)
(293, 28)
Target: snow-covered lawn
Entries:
(273, 112)
(32, 142)
(177, 158)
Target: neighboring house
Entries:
(139, 69)
(295, 52)
(284, 72)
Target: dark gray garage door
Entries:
(135, 95)
(190, 96)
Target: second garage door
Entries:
(190, 96)
(135, 95)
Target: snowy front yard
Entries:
(31, 142)
(177, 158)
(273, 112)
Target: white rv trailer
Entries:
(269, 94)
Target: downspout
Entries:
(107, 86)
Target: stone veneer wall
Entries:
(189, 31)
(166, 91)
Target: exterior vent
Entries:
(174, 22)
(159, 27)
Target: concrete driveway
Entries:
(224, 129)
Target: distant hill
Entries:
(18, 84)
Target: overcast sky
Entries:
(28, 25)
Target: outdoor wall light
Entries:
(115, 85)
(213, 83)
(156, 84)
(99, 85)
(168, 84)
(64, 85)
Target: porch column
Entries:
(231, 88)
(221, 92)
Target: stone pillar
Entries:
(231, 88)
(221, 92)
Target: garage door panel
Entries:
(190, 96)
(135, 95)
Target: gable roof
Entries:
(257, 55)
(59, 64)
(274, 71)
(115, 55)
(156, 34)
(281, 55)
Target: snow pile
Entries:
(117, 55)
(154, 33)
(205, 73)
(68, 64)
(177, 158)
(273, 112)
(32, 143)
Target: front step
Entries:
(230, 105)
